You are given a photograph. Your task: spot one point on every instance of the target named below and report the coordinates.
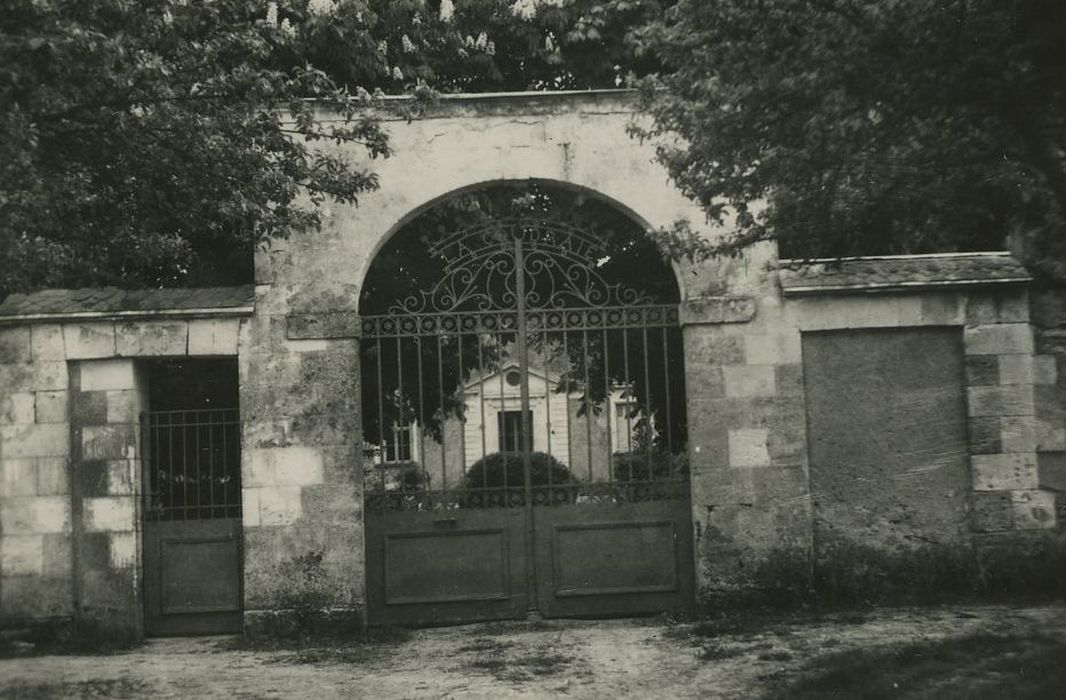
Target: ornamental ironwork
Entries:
(559, 264)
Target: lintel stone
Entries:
(83, 341)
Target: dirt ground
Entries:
(647, 658)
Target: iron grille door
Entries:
(192, 521)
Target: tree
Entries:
(154, 142)
(865, 126)
(474, 45)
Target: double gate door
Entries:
(525, 428)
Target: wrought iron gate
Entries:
(524, 419)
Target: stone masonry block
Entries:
(328, 324)
(35, 440)
(710, 345)
(284, 466)
(152, 338)
(49, 375)
(1015, 369)
(748, 448)
(88, 408)
(16, 407)
(110, 514)
(33, 596)
(15, 344)
(279, 505)
(46, 342)
(57, 554)
(123, 406)
(717, 310)
(250, 507)
(107, 375)
(1010, 400)
(83, 341)
(1045, 370)
(999, 339)
(749, 381)
(121, 477)
(52, 476)
(773, 349)
(51, 406)
(18, 477)
(1004, 472)
(1033, 509)
(1051, 471)
(22, 555)
(1019, 434)
(993, 511)
(943, 309)
(982, 370)
(123, 550)
(35, 515)
(1050, 435)
(985, 435)
(214, 336)
(109, 441)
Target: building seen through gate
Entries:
(482, 394)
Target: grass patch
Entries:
(980, 666)
(68, 637)
(113, 688)
(351, 648)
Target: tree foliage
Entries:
(847, 127)
(143, 140)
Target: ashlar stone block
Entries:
(152, 338)
(214, 336)
(1004, 472)
(773, 349)
(107, 375)
(749, 381)
(284, 466)
(51, 406)
(16, 407)
(52, 476)
(748, 448)
(1015, 369)
(18, 477)
(46, 342)
(1003, 400)
(109, 441)
(35, 440)
(1018, 434)
(35, 515)
(122, 550)
(15, 344)
(110, 514)
(22, 555)
(998, 339)
(1033, 509)
(83, 341)
(1045, 370)
(279, 505)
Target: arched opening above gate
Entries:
(521, 352)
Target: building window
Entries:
(513, 430)
(626, 416)
(399, 448)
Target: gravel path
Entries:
(579, 659)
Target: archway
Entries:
(524, 413)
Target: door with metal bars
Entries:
(524, 418)
(192, 503)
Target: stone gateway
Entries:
(202, 460)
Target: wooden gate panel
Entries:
(445, 567)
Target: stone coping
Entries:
(899, 273)
(113, 303)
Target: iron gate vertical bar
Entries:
(482, 386)
(588, 400)
(647, 399)
(607, 401)
(440, 419)
(666, 389)
(527, 477)
(628, 391)
(421, 411)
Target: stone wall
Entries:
(70, 472)
(751, 482)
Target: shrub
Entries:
(502, 469)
